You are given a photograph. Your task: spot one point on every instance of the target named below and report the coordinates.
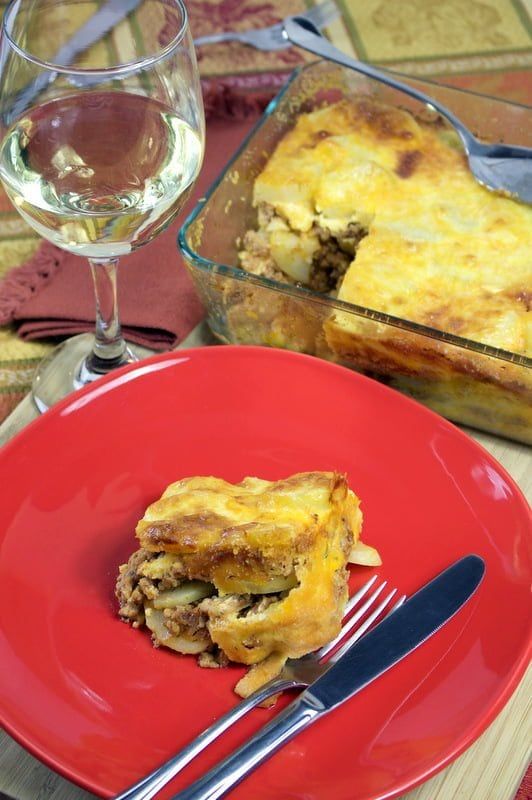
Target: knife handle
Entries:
(104, 19)
(229, 772)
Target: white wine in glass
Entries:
(98, 158)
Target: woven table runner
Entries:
(483, 45)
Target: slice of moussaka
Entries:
(253, 572)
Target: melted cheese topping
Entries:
(251, 532)
(440, 250)
(305, 527)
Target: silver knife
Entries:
(101, 22)
(390, 641)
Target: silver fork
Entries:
(272, 38)
(505, 168)
(362, 608)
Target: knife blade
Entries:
(407, 628)
(100, 23)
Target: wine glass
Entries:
(102, 136)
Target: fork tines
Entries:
(362, 608)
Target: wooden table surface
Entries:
(491, 769)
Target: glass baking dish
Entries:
(468, 382)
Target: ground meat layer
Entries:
(132, 590)
(330, 261)
(256, 258)
(141, 582)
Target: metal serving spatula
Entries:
(500, 167)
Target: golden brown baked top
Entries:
(255, 571)
(239, 534)
(433, 246)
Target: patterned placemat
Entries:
(484, 45)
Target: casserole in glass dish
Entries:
(472, 383)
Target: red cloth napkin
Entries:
(156, 299)
(52, 294)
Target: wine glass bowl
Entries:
(101, 142)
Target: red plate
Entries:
(91, 696)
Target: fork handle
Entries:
(214, 38)
(297, 33)
(148, 786)
(229, 772)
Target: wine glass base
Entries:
(62, 372)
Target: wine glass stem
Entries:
(109, 349)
